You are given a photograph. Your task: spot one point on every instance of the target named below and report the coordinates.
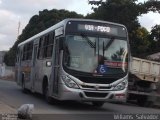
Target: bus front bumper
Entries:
(88, 95)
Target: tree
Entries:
(140, 42)
(119, 11)
(118, 55)
(38, 23)
(155, 39)
(126, 12)
(155, 33)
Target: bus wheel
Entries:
(98, 103)
(142, 101)
(46, 95)
(150, 104)
(24, 90)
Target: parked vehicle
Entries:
(144, 81)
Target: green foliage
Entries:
(127, 12)
(38, 23)
(9, 57)
(140, 43)
(120, 11)
(118, 54)
(155, 39)
(155, 33)
(151, 5)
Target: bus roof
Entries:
(63, 23)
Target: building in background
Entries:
(155, 56)
(2, 53)
(2, 65)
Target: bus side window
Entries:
(46, 43)
(45, 48)
(40, 48)
(27, 51)
(24, 51)
(50, 45)
(18, 55)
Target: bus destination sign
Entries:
(97, 28)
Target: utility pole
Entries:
(19, 25)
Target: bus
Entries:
(76, 59)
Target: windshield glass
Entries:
(96, 55)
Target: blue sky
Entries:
(11, 11)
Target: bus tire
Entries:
(150, 104)
(24, 90)
(142, 101)
(48, 99)
(98, 104)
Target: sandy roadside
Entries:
(4, 109)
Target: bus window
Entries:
(27, 51)
(50, 46)
(18, 54)
(24, 51)
(45, 47)
(40, 49)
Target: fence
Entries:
(6, 72)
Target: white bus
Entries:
(76, 59)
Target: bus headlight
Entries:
(69, 83)
(122, 85)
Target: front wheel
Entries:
(46, 95)
(142, 101)
(24, 90)
(98, 103)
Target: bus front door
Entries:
(55, 68)
(34, 68)
(18, 67)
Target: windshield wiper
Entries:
(109, 44)
(91, 44)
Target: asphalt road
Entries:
(12, 95)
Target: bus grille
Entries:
(95, 94)
(97, 80)
(93, 87)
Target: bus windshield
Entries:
(96, 55)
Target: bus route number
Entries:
(97, 28)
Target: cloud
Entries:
(81, 7)
(7, 22)
(33, 6)
(6, 41)
(149, 20)
(13, 11)
(141, 1)
(8, 29)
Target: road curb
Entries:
(8, 78)
(4, 108)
